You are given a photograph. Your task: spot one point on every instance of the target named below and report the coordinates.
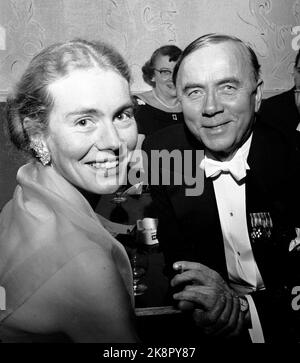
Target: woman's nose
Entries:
(109, 137)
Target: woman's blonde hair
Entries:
(31, 98)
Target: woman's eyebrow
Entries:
(96, 112)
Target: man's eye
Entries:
(195, 93)
(124, 116)
(228, 88)
(166, 73)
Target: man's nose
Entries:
(108, 137)
(211, 104)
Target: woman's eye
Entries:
(166, 73)
(83, 122)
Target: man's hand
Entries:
(216, 308)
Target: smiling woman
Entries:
(64, 275)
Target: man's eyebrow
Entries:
(124, 107)
(188, 86)
(83, 111)
(234, 80)
(191, 85)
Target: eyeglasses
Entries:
(164, 73)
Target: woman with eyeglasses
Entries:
(159, 107)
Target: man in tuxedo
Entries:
(282, 110)
(231, 252)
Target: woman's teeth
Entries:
(106, 165)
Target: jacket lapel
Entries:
(264, 187)
(199, 218)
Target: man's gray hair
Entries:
(215, 38)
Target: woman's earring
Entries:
(41, 152)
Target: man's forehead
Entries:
(228, 50)
(225, 57)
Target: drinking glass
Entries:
(136, 251)
(138, 259)
(139, 265)
(119, 214)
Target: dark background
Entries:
(10, 161)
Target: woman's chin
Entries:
(108, 188)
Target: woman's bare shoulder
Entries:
(82, 298)
(98, 298)
(94, 267)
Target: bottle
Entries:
(147, 235)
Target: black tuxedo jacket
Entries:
(189, 226)
(280, 111)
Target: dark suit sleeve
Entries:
(278, 320)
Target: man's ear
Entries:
(258, 94)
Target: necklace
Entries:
(160, 101)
